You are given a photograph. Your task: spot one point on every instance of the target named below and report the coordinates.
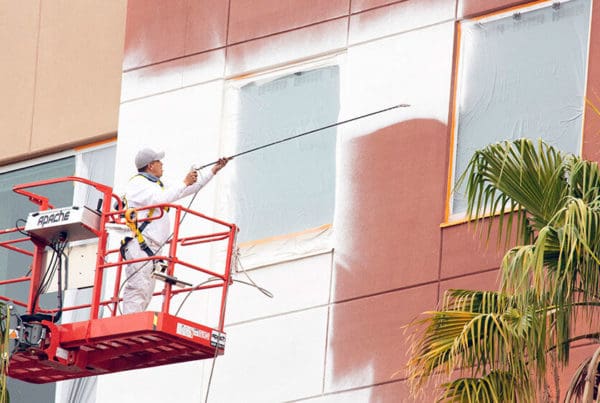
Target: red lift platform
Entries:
(46, 351)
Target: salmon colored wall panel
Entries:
(591, 130)
(584, 323)
(465, 250)
(576, 357)
(399, 17)
(19, 27)
(287, 47)
(254, 18)
(203, 67)
(172, 75)
(79, 72)
(487, 281)
(390, 392)
(152, 79)
(367, 339)
(361, 5)
(159, 30)
(392, 183)
(155, 31)
(468, 8)
(206, 26)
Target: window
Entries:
(98, 165)
(94, 163)
(288, 187)
(14, 265)
(16, 206)
(521, 74)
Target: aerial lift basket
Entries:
(48, 351)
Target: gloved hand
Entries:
(220, 164)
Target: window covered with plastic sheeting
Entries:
(15, 209)
(289, 187)
(13, 265)
(520, 74)
(96, 164)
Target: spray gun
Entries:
(197, 168)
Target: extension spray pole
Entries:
(196, 168)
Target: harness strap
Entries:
(156, 180)
(131, 220)
(144, 246)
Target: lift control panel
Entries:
(77, 223)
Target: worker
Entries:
(145, 189)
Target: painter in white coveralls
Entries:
(145, 189)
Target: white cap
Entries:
(146, 156)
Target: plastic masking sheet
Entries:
(520, 75)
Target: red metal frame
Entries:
(118, 342)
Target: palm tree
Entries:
(4, 350)
(499, 346)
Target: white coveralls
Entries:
(144, 192)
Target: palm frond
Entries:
(500, 342)
(495, 387)
(4, 351)
(479, 331)
(526, 181)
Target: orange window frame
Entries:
(454, 117)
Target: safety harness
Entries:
(132, 222)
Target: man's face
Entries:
(156, 168)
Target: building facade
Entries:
(356, 229)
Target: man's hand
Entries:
(190, 178)
(219, 165)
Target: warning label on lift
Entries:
(192, 332)
(217, 339)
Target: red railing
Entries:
(111, 260)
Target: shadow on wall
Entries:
(389, 206)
